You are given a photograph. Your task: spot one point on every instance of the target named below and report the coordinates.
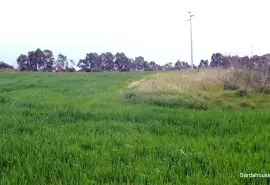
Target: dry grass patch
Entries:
(7, 70)
(183, 81)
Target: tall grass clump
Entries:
(254, 80)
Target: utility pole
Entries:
(191, 44)
(251, 51)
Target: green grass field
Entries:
(80, 128)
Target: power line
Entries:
(191, 41)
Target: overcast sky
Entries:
(154, 29)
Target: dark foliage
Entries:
(241, 93)
(93, 62)
(5, 66)
(120, 62)
(36, 61)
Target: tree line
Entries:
(93, 62)
(45, 61)
(255, 62)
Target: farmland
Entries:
(90, 128)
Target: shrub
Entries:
(129, 95)
(241, 93)
(230, 84)
(179, 103)
(246, 105)
(264, 89)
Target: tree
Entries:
(187, 66)
(61, 62)
(203, 64)
(178, 65)
(153, 66)
(32, 61)
(225, 62)
(139, 63)
(107, 61)
(216, 60)
(4, 65)
(71, 63)
(168, 66)
(83, 65)
(90, 63)
(132, 66)
(146, 66)
(39, 60)
(48, 59)
(93, 58)
(23, 63)
(122, 63)
(36, 61)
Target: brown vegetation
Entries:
(185, 81)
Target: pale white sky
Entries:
(154, 29)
